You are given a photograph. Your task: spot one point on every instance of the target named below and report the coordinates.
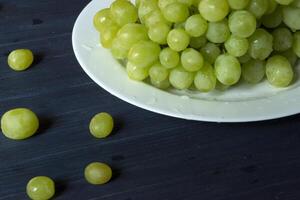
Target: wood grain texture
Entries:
(154, 157)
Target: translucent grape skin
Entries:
(137, 73)
(205, 79)
(118, 50)
(178, 39)
(213, 10)
(20, 59)
(271, 7)
(258, 7)
(196, 26)
(282, 39)
(191, 60)
(40, 188)
(108, 35)
(180, 78)
(155, 17)
(144, 53)
(284, 2)
(253, 71)
(291, 16)
(274, 19)
(158, 73)
(242, 23)
(228, 69)
(238, 4)
(123, 12)
(198, 42)
(169, 58)
(218, 32)
(145, 8)
(279, 71)
(19, 123)
(101, 125)
(237, 46)
(164, 3)
(176, 12)
(210, 52)
(296, 43)
(97, 173)
(260, 44)
(159, 32)
(102, 19)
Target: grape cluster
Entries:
(201, 43)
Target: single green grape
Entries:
(237, 46)
(213, 10)
(195, 25)
(296, 43)
(40, 188)
(290, 55)
(228, 69)
(218, 32)
(253, 71)
(291, 16)
(158, 73)
(198, 42)
(279, 71)
(191, 60)
(137, 73)
(145, 8)
(123, 12)
(261, 44)
(178, 39)
(97, 173)
(19, 123)
(144, 53)
(101, 125)
(20, 59)
(118, 50)
(210, 52)
(180, 78)
(205, 79)
(242, 23)
(159, 32)
(102, 19)
(108, 35)
(165, 84)
(155, 17)
(282, 39)
(274, 19)
(176, 12)
(284, 2)
(238, 4)
(271, 7)
(258, 7)
(169, 58)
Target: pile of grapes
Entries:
(201, 43)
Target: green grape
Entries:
(191, 60)
(108, 35)
(20, 59)
(158, 73)
(165, 84)
(97, 173)
(261, 44)
(198, 42)
(164, 3)
(228, 69)
(291, 16)
(19, 124)
(144, 53)
(238, 4)
(237, 46)
(258, 7)
(101, 125)
(131, 33)
(279, 71)
(242, 23)
(155, 17)
(274, 19)
(253, 71)
(245, 58)
(145, 8)
(195, 25)
(282, 39)
(296, 3)
(290, 55)
(181, 79)
(40, 188)
(205, 79)
(102, 19)
(284, 2)
(210, 52)
(176, 12)
(272, 7)
(213, 10)
(186, 2)
(123, 12)
(178, 39)
(218, 32)
(296, 43)
(118, 50)
(169, 58)
(159, 32)
(137, 73)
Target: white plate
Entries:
(242, 103)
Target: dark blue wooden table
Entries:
(154, 157)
